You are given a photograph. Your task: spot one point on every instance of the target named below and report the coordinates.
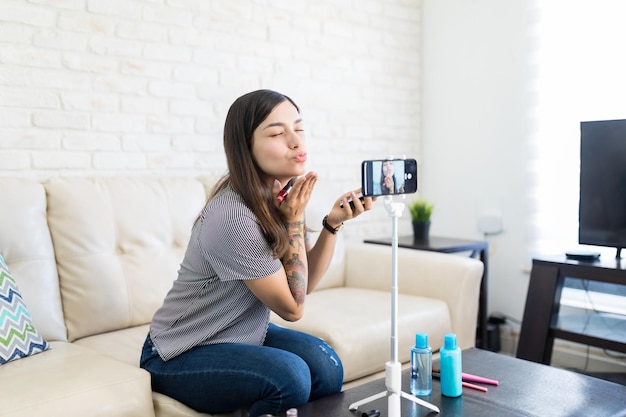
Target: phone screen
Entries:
(388, 177)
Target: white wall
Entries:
(141, 87)
(476, 99)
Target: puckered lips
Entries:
(301, 157)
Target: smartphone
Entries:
(388, 177)
(361, 198)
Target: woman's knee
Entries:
(294, 374)
(288, 385)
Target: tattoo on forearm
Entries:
(296, 226)
(296, 238)
(296, 241)
(296, 273)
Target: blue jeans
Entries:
(290, 369)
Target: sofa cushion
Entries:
(124, 345)
(119, 243)
(453, 279)
(356, 322)
(26, 246)
(18, 336)
(69, 380)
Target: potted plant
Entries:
(421, 211)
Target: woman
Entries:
(211, 345)
(388, 180)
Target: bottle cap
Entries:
(449, 341)
(421, 340)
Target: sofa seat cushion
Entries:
(356, 322)
(70, 380)
(124, 345)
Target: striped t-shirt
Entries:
(209, 303)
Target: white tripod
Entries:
(393, 368)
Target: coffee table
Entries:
(526, 389)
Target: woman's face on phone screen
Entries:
(388, 168)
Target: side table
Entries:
(479, 249)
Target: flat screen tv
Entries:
(602, 204)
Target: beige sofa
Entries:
(94, 258)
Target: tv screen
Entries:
(602, 205)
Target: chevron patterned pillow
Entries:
(18, 336)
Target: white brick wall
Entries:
(137, 87)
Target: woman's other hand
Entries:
(293, 206)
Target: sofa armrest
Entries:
(454, 279)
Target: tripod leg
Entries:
(420, 401)
(374, 397)
(393, 404)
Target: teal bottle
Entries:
(450, 360)
(421, 383)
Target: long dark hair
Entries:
(244, 174)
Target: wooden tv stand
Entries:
(542, 323)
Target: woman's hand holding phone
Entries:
(349, 206)
(351, 202)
